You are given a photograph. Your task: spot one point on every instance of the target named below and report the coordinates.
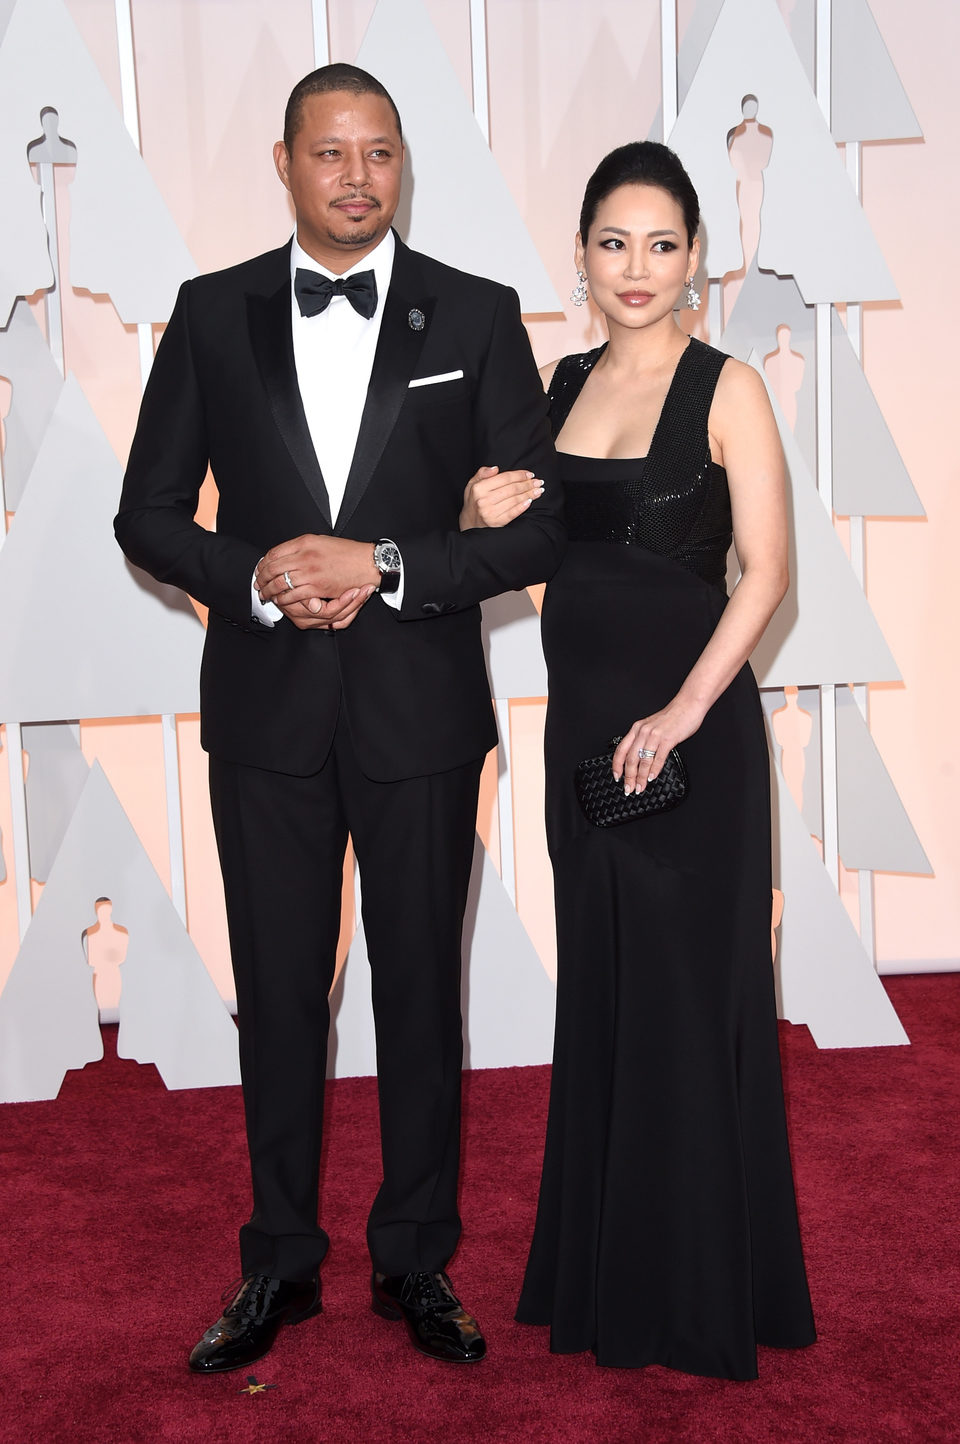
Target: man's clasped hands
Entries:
(321, 582)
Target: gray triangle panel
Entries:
(56, 776)
(824, 977)
(508, 1001)
(511, 641)
(26, 362)
(868, 101)
(869, 477)
(875, 831)
(823, 630)
(352, 1049)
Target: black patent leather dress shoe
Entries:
(436, 1321)
(248, 1326)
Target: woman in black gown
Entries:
(667, 1230)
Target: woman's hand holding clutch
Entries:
(642, 751)
(493, 497)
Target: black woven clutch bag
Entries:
(602, 798)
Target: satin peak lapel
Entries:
(268, 318)
(398, 349)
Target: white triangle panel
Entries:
(807, 193)
(123, 242)
(459, 205)
(85, 634)
(170, 1012)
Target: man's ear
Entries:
(281, 160)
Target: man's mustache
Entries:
(358, 196)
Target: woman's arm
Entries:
(745, 441)
(493, 497)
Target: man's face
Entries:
(343, 174)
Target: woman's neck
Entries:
(647, 350)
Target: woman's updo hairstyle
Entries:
(641, 163)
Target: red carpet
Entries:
(118, 1209)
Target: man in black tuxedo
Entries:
(342, 389)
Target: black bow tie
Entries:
(314, 292)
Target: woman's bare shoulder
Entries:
(740, 397)
(740, 385)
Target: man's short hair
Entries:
(321, 82)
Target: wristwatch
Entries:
(386, 559)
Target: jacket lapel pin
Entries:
(416, 320)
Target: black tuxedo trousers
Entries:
(379, 730)
(282, 842)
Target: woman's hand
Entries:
(493, 497)
(657, 735)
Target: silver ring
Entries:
(647, 752)
(286, 578)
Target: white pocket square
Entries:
(432, 380)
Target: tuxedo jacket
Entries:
(223, 393)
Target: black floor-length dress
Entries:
(667, 1230)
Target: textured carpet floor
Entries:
(118, 1208)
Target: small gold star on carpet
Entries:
(254, 1388)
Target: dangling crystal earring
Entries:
(693, 296)
(579, 293)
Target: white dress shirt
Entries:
(333, 353)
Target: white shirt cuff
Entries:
(266, 612)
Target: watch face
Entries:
(386, 557)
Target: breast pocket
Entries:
(438, 388)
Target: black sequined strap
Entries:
(567, 382)
(681, 443)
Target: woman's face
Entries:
(636, 255)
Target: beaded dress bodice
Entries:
(674, 501)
